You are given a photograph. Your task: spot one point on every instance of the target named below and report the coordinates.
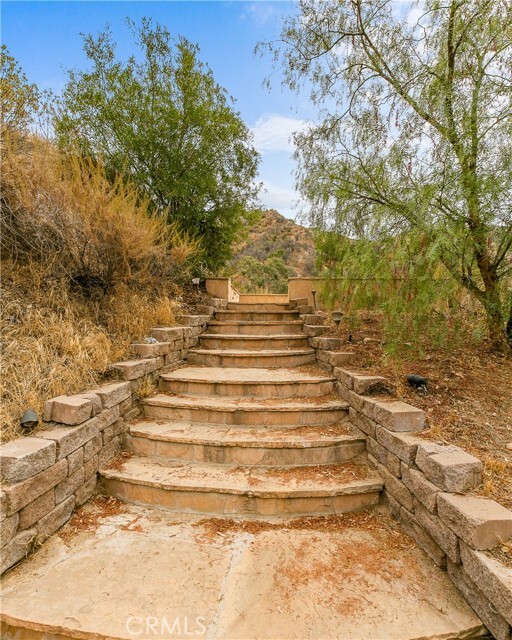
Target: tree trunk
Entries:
(499, 334)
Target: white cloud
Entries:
(273, 132)
(259, 12)
(282, 199)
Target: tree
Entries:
(416, 130)
(19, 99)
(164, 120)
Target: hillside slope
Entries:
(274, 233)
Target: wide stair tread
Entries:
(323, 481)
(254, 353)
(246, 404)
(249, 376)
(229, 436)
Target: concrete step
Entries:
(257, 316)
(255, 359)
(239, 382)
(252, 306)
(256, 446)
(243, 491)
(269, 328)
(258, 343)
(234, 411)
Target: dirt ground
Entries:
(469, 399)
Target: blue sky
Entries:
(45, 39)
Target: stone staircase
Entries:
(246, 429)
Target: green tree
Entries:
(416, 131)
(163, 119)
(19, 99)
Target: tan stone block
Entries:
(23, 493)
(314, 330)
(480, 522)
(68, 439)
(34, 511)
(132, 414)
(113, 430)
(425, 491)
(153, 364)
(167, 334)
(91, 467)
(19, 547)
(126, 405)
(450, 468)
(68, 486)
(367, 385)
(112, 394)
(485, 610)
(22, 458)
(312, 319)
(68, 410)
(109, 451)
(399, 416)
(393, 505)
(423, 540)
(442, 534)
(339, 358)
(48, 525)
(8, 529)
(395, 487)
(345, 377)
(92, 446)
(86, 491)
(95, 400)
(362, 422)
(493, 577)
(326, 343)
(75, 461)
(402, 445)
(172, 357)
(153, 350)
(189, 320)
(131, 369)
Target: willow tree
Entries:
(415, 132)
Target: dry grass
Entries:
(85, 271)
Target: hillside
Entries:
(275, 233)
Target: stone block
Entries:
(189, 320)
(22, 458)
(112, 394)
(48, 525)
(345, 377)
(37, 509)
(362, 422)
(109, 451)
(68, 410)
(145, 350)
(95, 400)
(114, 430)
(8, 529)
(480, 522)
(68, 439)
(91, 467)
(86, 491)
(75, 461)
(385, 457)
(305, 309)
(131, 369)
(18, 548)
(436, 528)
(172, 358)
(449, 467)
(92, 447)
(402, 445)
(132, 414)
(153, 364)
(187, 332)
(314, 330)
(68, 486)
(422, 538)
(485, 610)
(339, 358)
(394, 505)
(312, 319)
(326, 343)
(166, 334)
(395, 487)
(126, 405)
(23, 493)
(399, 416)
(363, 404)
(492, 577)
(423, 489)
(3, 506)
(368, 385)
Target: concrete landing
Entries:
(119, 571)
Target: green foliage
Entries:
(416, 133)
(402, 278)
(163, 119)
(19, 99)
(268, 276)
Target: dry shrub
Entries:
(85, 271)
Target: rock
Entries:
(68, 410)
(449, 467)
(23, 458)
(399, 416)
(480, 522)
